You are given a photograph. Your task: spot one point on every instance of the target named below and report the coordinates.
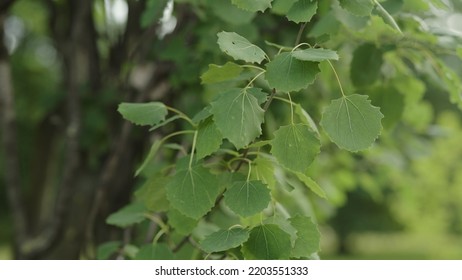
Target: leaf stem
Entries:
(280, 47)
(181, 115)
(250, 170)
(338, 79)
(192, 149)
(252, 66)
(387, 16)
(291, 109)
(301, 44)
(254, 78)
(176, 134)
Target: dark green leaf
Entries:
(192, 189)
(202, 115)
(352, 122)
(152, 153)
(311, 184)
(366, 64)
(358, 7)
(209, 138)
(302, 11)
(286, 73)
(128, 215)
(282, 7)
(223, 240)
(239, 47)
(229, 13)
(152, 193)
(390, 102)
(305, 118)
(263, 170)
(254, 5)
(295, 146)
(182, 224)
(238, 116)
(143, 113)
(106, 250)
(308, 237)
(220, 73)
(267, 242)
(247, 198)
(159, 251)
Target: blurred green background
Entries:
(72, 62)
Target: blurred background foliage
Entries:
(401, 199)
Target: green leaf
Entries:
(326, 25)
(390, 102)
(106, 250)
(311, 184)
(229, 13)
(247, 198)
(267, 242)
(315, 55)
(220, 73)
(152, 193)
(238, 116)
(260, 95)
(286, 73)
(295, 146)
(302, 11)
(223, 240)
(308, 237)
(182, 224)
(152, 153)
(352, 122)
(192, 189)
(209, 138)
(131, 214)
(263, 170)
(253, 6)
(202, 114)
(365, 65)
(159, 251)
(358, 7)
(305, 118)
(239, 47)
(282, 7)
(143, 113)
